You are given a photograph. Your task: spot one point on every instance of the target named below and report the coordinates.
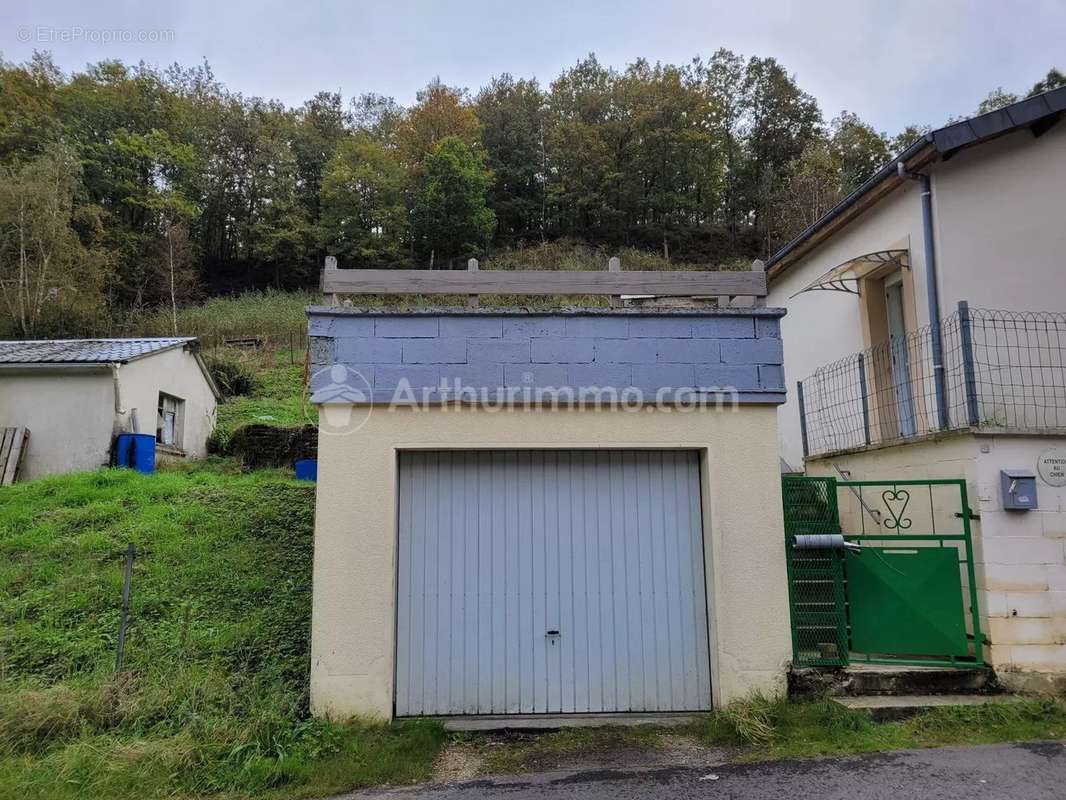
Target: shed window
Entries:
(169, 421)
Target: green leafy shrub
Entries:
(233, 377)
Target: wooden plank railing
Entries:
(724, 286)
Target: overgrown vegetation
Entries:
(773, 728)
(213, 699)
(275, 318)
(277, 398)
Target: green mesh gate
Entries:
(909, 596)
(815, 577)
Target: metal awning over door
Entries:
(542, 581)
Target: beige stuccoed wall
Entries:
(822, 327)
(175, 372)
(998, 221)
(69, 412)
(353, 622)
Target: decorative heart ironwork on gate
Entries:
(900, 497)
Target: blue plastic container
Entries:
(306, 469)
(136, 451)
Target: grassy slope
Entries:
(213, 699)
(278, 398)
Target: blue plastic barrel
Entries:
(306, 469)
(136, 451)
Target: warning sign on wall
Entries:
(1052, 466)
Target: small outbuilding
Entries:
(75, 395)
(529, 512)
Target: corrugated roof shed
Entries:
(85, 351)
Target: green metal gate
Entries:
(908, 596)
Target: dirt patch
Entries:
(470, 756)
(459, 761)
(687, 751)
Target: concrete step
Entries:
(882, 708)
(875, 679)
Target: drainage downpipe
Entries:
(932, 292)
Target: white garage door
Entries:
(542, 581)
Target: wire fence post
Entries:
(120, 647)
(968, 372)
(803, 418)
(865, 399)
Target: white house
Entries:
(75, 395)
(927, 339)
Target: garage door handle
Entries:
(552, 633)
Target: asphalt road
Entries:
(996, 772)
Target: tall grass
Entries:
(773, 727)
(214, 695)
(276, 318)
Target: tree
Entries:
(859, 150)
(441, 112)
(28, 121)
(781, 120)
(587, 139)
(811, 188)
(1053, 80)
(673, 160)
(319, 128)
(44, 266)
(175, 265)
(513, 119)
(905, 138)
(725, 88)
(997, 98)
(169, 259)
(450, 216)
(378, 117)
(364, 217)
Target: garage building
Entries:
(488, 542)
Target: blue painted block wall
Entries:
(734, 351)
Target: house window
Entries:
(168, 426)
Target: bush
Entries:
(234, 378)
(746, 722)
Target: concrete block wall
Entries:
(1022, 558)
(736, 351)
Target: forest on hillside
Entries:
(128, 187)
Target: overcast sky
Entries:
(893, 63)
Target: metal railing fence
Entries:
(1003, 370)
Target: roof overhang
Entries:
(846, 277)
(1037, 114)
(46, 367)
(886, 180)
(89, 367)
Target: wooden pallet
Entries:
(12, 448)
